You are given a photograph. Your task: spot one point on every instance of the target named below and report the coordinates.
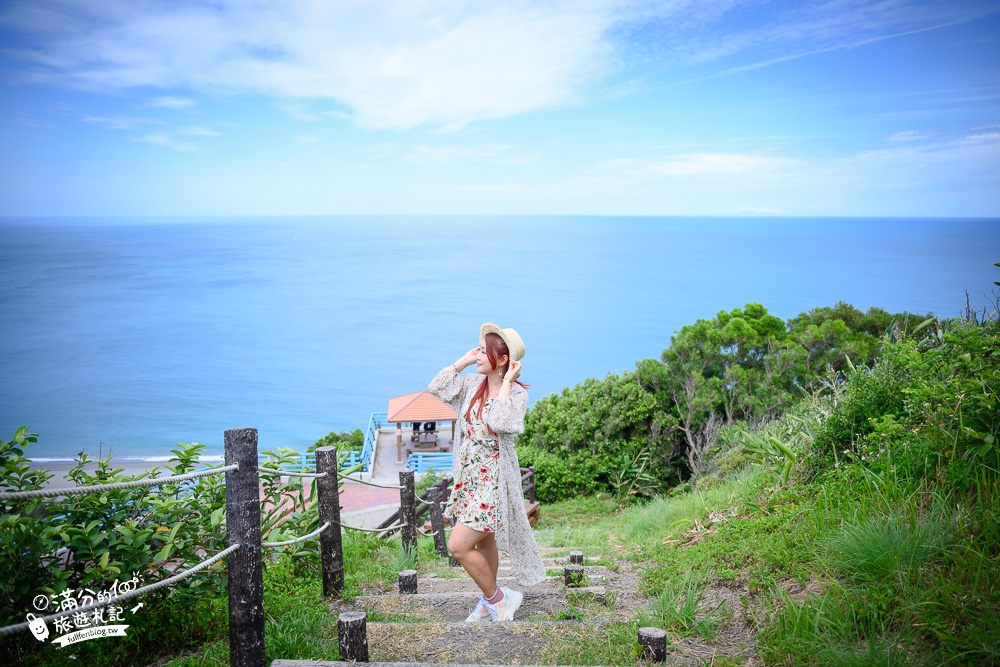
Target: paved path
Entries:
(356, 496)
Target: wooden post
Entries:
(531, 489)
(573, 575)
(654, 644)
(331, 544)
(437, 520)
(407, 511)
(352, 635)
(408, 582)
(245, 565)
(576, 557)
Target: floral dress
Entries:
(500, 491)
(475, 495)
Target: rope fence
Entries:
(361, 481)
(285, 473)
(12, 629)
(101, 488)
(373, 530)
(298, 539)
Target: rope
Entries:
(371, 530)
(298, 539)
(100, 488)
(11, 629)
(381, 486)
(291, 474)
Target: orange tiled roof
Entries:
(420, 406)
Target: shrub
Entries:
(343, 441)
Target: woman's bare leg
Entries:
(488, 547)
(463, 544)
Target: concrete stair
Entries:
(465, 585)
(456, 643)
(428, 627)
(444, 607)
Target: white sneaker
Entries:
(504, 610)
(480, 613)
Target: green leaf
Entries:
(104, 559)
(164, 553)
(789, 454)
(174, 530)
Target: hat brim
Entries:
(516, 350)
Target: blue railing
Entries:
(307, 462)
(424, 461)
(375, 420)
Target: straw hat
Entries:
(509, 336)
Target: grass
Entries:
(902, 575)
(681, 609)
(298, 622)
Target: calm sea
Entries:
(129, 336)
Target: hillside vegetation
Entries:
(841, 471)
(644, 432)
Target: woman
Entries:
(486, 505)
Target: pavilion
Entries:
(420, 406)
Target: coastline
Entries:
(61, 467)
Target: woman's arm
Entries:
(507, 412)
(449, 383)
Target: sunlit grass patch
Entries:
(681, 609)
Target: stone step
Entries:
(466, 584)
(555, 570)
(456, 643)
(552, 561)
(445, 607)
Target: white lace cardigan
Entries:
(506, 419)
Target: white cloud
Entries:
(119, 122)
(745, 36)
(907, 135)
(400, 64)
(170, 103)
(165, 140)
(393, 64)
(200, 132)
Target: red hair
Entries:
(495, 348)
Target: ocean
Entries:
(126, 337)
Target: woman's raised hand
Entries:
(467, 359)
(514, 371)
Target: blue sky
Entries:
(610, 107)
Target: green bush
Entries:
(343, 441)
(558, 477)
(870, 395)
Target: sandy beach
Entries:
(59, 469)
(367, 504)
